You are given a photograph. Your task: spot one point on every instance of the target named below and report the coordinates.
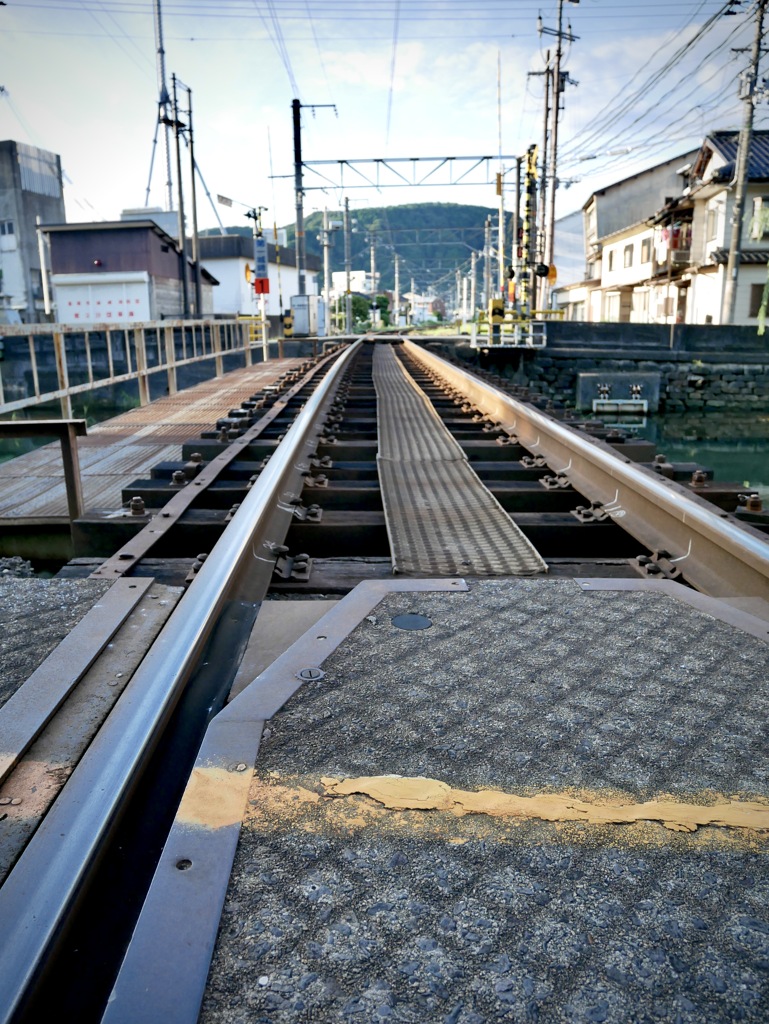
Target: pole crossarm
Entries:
(380, 172)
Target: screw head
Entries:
(309, 675)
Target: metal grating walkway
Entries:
(441, 520)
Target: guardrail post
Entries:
(244, 329)
(71, 460)
(168, 334)
(33, 364)
(62, 374)
(140, 344)
(217, 349)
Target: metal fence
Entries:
(61, 360)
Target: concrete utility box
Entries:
(592, 386)
(309, 312)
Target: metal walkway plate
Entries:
(430, 493)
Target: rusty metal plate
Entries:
(441, 519)
(25, 713)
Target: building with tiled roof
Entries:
(665, 261)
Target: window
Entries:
(611, 259)
(6, 227)
(646, 250)
(627, 256)
(759, 224)
(712, 225)
(756, 293)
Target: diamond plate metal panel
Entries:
(441, 519)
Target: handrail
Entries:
(45, 881)
(134, 351)
(67, 432)
(718, 555)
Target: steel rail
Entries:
(51, 873)
(718, 555)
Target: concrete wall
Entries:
(25, 194)
(717, 369)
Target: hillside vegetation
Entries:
(431, 239)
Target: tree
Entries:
(359, 309)
(383, 305)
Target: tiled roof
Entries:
(754, 256)
(725, 143)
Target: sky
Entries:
(407, 78)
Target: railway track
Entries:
(372, 463)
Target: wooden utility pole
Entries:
(741, 173)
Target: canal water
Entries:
(735, 447)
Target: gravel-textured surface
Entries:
(35, 616)
(534, 684)
(347, 911)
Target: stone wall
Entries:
(686, 383)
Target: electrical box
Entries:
(309, 313)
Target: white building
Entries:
(121, 271)
(230, 258)
(657, 244)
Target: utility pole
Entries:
(372, 259)
(749, 95)
(396, 297)
(163, 101)
(347, 269)
(514, 255)
(296, 108)
(560, 78)
(473, 276)
(326, 243)
(487, 262)
(412, 304)
(177, 126)
(195, 238)
(301, 248)
(548, 76)
(458, 281)
(501, 235)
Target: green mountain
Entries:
(431, 239)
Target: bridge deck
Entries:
(126, 447)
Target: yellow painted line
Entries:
(398, 793)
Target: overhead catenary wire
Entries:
(393, 60)
(602, 124)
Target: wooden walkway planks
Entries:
(127, 446)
